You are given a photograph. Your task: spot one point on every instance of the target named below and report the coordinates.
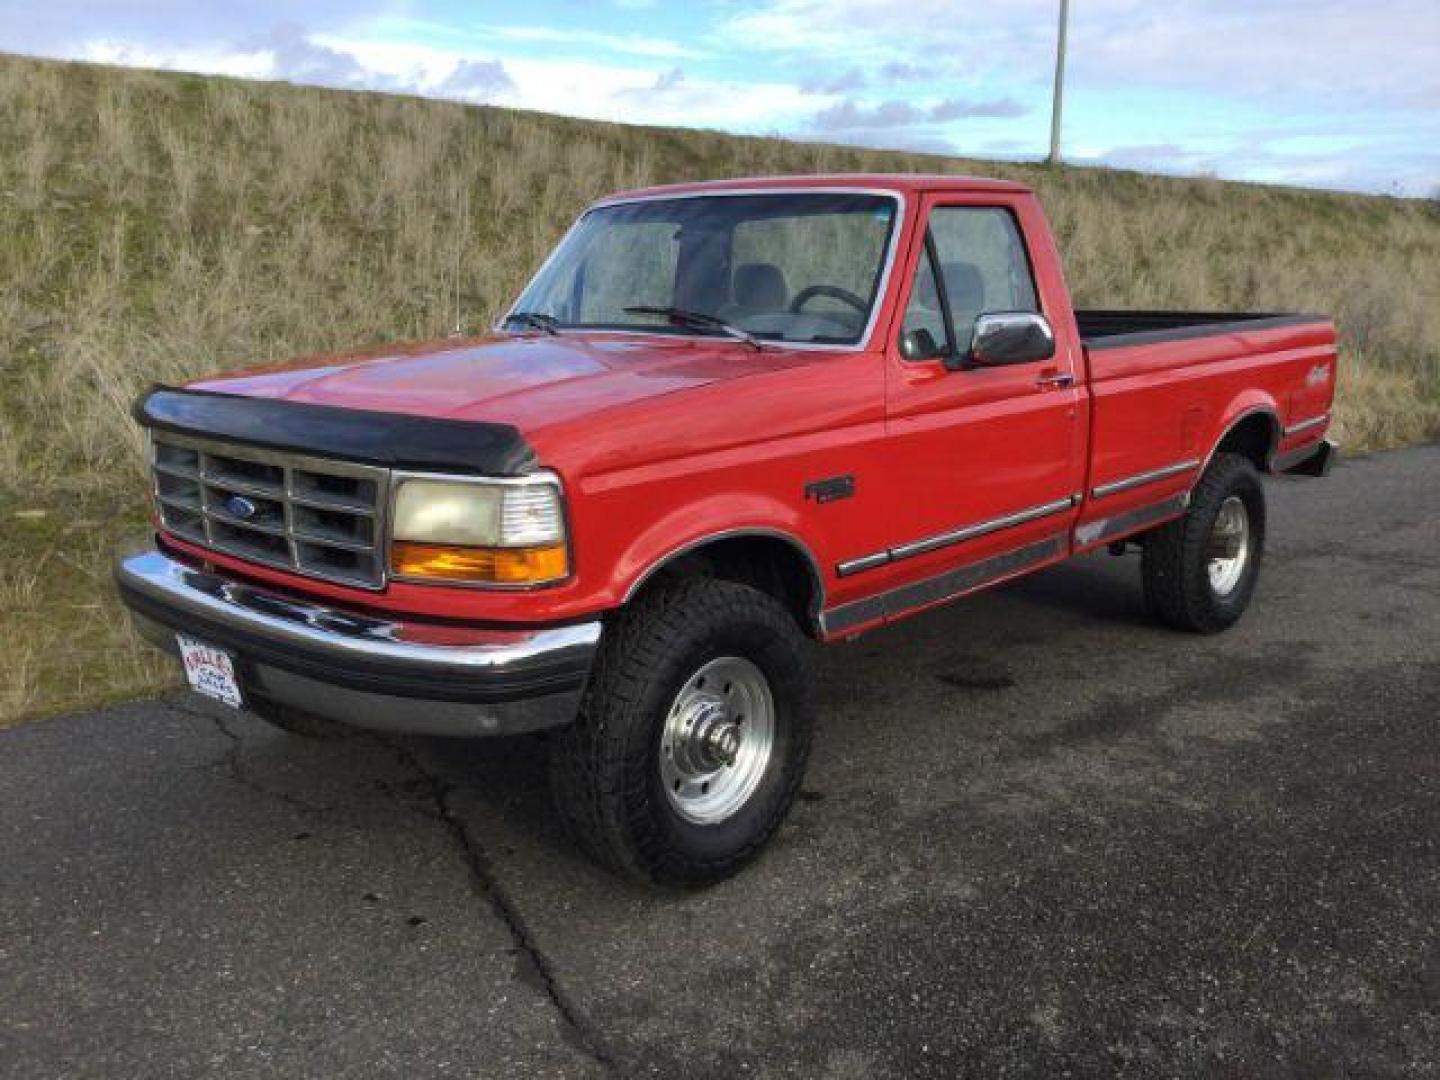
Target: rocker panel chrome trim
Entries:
(1107, 529)
(984, 528)
(1128, 483)
(865, 562)
(955, 536)
(946, 586)
(1306, 425)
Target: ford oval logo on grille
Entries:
(237, 506)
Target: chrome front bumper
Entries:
(430, 678)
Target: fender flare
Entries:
(656, 564)
(1251, 405)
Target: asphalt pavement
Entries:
(1040, 836)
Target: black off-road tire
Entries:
(605, 769)
(295, 722)
(1177, 585)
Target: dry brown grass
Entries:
(154, 227)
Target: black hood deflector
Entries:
(393, 440)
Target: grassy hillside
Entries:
(156, 226)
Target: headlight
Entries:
(493, 532)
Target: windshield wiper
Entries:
(537, 319)
(700, 320)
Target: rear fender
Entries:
(1251, 403)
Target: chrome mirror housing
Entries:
(1011, 337)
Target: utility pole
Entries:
(1059, 104)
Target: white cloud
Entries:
(848, 116)
(295, 57)
(244, 65)
(1384, 51)
(476, 81)
(844, 82)
(584, 39)
(1320, 51)
(622, 92)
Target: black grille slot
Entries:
(267, 547)
(319, 518)
(249, 475)
(178, 491)
(185, 524)
(341, 492)
(322, 524)
(177, 458)
(333, 562)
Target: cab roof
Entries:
(900, 183)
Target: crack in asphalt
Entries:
(231, 766)
(482, 872)
(236, 771)
(583, 1035)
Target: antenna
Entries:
(462, 200)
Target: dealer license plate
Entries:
(209, 670)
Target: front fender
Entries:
(691, 525)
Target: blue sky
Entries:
(1327, 93)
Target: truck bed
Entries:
(1167, 385)
(1102, 329)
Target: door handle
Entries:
(1058, 379)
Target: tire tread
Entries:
(600, 765)
(1177, 589)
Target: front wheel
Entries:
(693, 735)
(1200, 570)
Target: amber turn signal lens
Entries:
(498, 566)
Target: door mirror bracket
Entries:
(920, 344)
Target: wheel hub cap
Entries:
(717, 740)
(1228, 551)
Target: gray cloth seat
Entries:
(756, 289)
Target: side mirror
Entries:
(919, 345)
(1011, 337)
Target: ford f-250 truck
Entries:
(722, 418)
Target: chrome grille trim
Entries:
(316, 517)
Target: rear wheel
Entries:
(693, 735)
(1200, 570)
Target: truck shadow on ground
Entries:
(970, 652)
(950, 665)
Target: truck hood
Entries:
(529, 381)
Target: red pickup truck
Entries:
(721, 420)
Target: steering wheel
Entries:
(804, 296)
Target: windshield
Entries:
(801, 267)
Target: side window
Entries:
(982, 263)
(924, 311)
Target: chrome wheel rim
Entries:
(1228, 552)
(718, 737)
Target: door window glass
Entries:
(924, 311)
(982, 263)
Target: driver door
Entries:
(991, 456)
